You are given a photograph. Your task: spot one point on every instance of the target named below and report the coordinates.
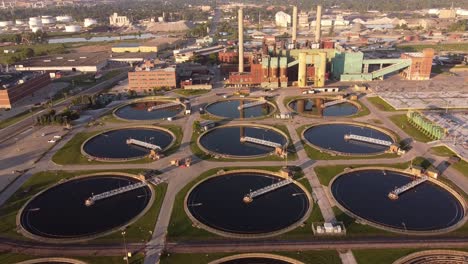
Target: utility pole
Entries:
(125, 247)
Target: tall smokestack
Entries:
(240, 22)
(294, 25)
(318, 24)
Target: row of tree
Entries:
(143, 9)
(94, 101)
(51, 117)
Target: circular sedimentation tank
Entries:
(308, 106)
(330, 137)
(255, 260)
(226, 140)
(437, 256)
(143, 110)
(112, 145)
(59, 214)
(50, 260)
(428, 207)
(230, 108)
(217, 205)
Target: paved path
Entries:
(177, 178)
(347, 257)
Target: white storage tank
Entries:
(64, 19)
(47, 20)
(35, 21)
(72, 28)
(89, 22)
(20, 22)
(6, 23)
(35, 29)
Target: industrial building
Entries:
(134, 47)
(82, 62)
(119, 21)
(282, 19)
(15, 86)
(280, 64)
(149, 75)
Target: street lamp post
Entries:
(125, 247)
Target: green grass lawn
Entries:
(312, 256)
(11, 258)
(70, 153)
(190, 92)
(402, 122)
(362, 112)
(43, 180)
(354, 229)
(461, 166)
(18, 117)
(380, 104)
(317, 154)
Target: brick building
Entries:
(148, 76)
(421, 65)
(17, 89)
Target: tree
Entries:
(18, 38)
(29, 53)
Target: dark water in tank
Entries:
(331, 136)
(229, 109)
(60, 212)
(139, 111)
(256, 261)
(112, 144)
(425, 207)
(226, 140)
(217, 202)
(343, 109)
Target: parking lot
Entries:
(20, 153)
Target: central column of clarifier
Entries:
(240, 22)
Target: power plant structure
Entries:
(280, 64)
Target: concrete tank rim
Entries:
(239, 125)
(409, 257)
(247, 236)
(333, 152)
(256, 255)
(442, 185)
(23, 231)
(52, 259)
(275, 109)
(146, 99)
(289, 101)
(89, 156)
